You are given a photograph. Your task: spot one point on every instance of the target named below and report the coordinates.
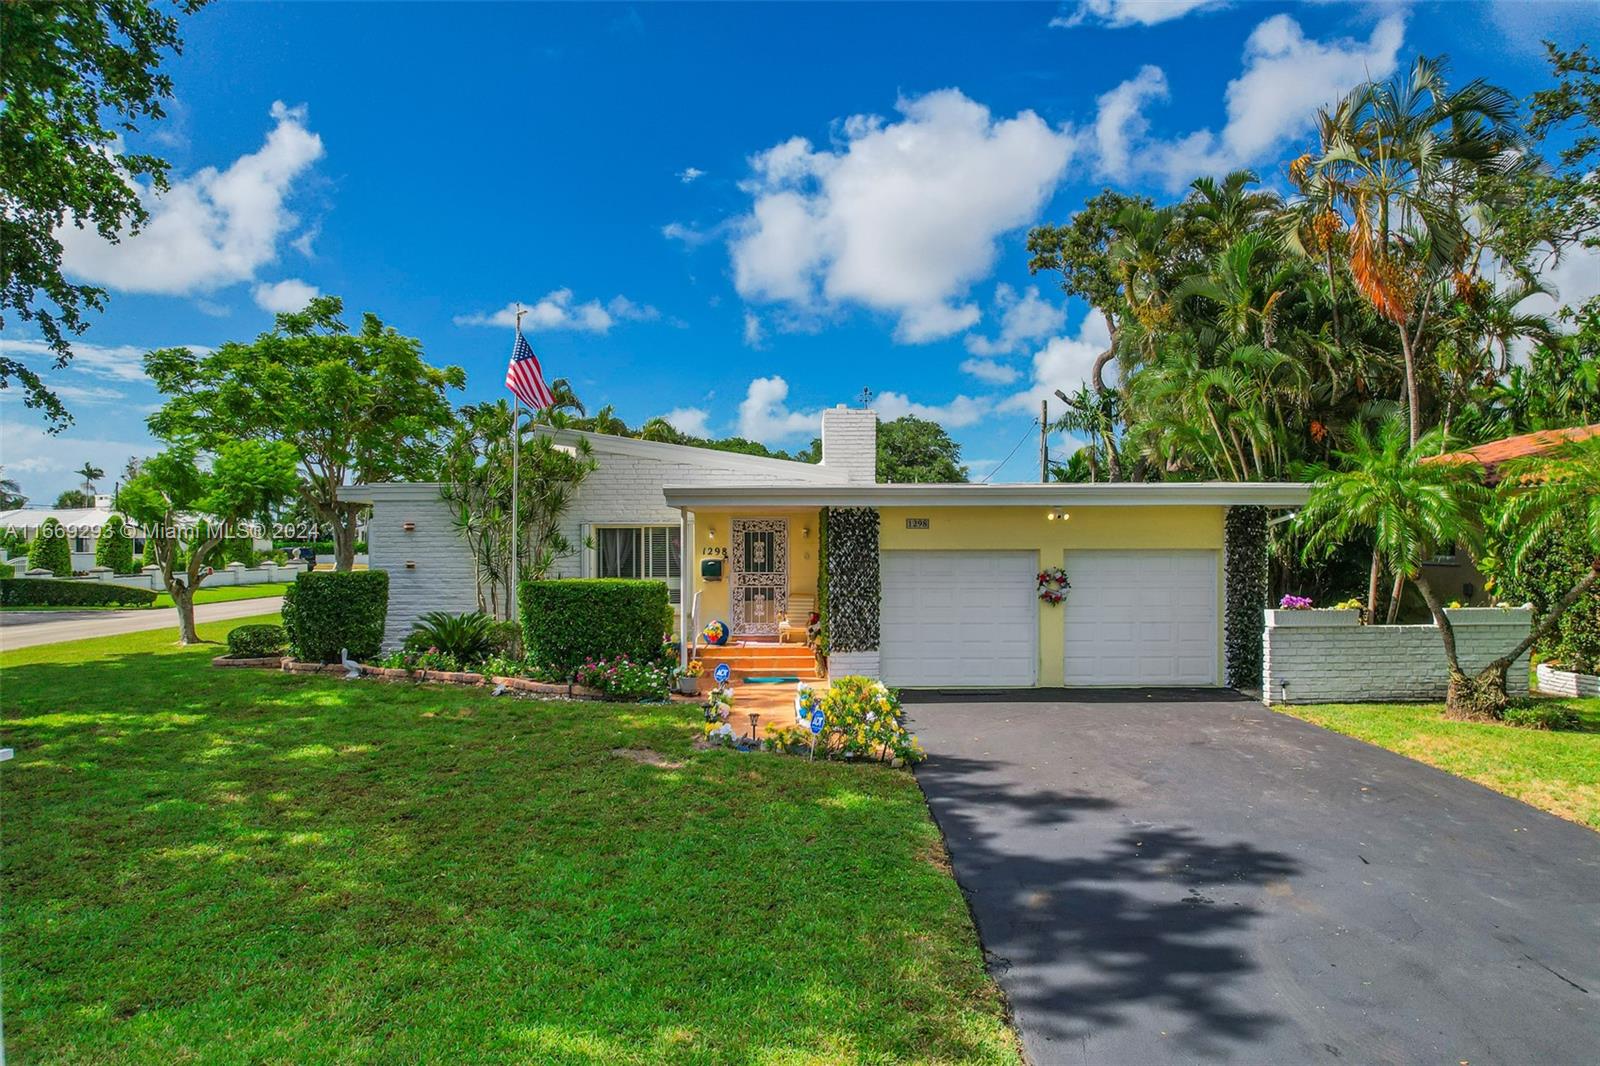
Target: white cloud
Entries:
(754, 335)
(303, 243)
(1063, 363)
(961, 411)
(691, 420)
(990, 370)
(291, 294)
(561, 310)
(1023, 319)
(899, 217)
(1286, 77)
(1574, 281)
(122, 362)
(1120, 13)
(689, 174)
(214, 228)
(764, 413)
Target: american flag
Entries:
(525, 377)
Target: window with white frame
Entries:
(651, 552)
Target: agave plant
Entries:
(466, 637)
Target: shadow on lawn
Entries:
(1081, 942)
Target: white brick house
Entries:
(619, 517)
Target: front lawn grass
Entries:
(1556, 771)
(227, 865)
(226, 593)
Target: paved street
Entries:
(24, 629)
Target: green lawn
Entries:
(231, 865)
(224, 593)
(1555, 771)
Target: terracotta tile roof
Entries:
(1491, 455)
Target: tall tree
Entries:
(11, 496)
(915, 449)
(90, 474)
(188, 508)
(356, 407)
(75, 78)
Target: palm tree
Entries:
(1402, 159)
(1543, 495)
(11, 496)
(90, 474)
(1389, 489)
(1220, 212)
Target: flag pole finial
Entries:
(520, 313)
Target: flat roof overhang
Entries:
(1108, 494)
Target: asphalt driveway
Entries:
(1173, 877)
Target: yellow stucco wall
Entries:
(980, 528)
(1027, 528)
(802, 556)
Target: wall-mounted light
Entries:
(711, 532)
(411, 564)
(1056, 516)
(409, 527)
(805, 532)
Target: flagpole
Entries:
(516, 449)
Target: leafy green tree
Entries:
(74, 498)
(50, 550)
(476, 475)
(362, 407)
(912, 449)
(75, 78)
(114, 548)
(187, 507)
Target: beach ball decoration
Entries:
(715, 632)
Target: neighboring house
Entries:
(83, 525)
(928, 585)
(1453, 572)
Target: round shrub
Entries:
(114, 549)
(326, 610)
(50, 549)
(256, 642)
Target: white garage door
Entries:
(1142, 618)
(959, 618)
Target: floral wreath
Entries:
(1053, 584)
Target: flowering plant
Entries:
(623, 679)
(695, 668)
(864, 722)
(1053, 584)
(1295, 603)
(414, 659)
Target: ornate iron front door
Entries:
(760, 588)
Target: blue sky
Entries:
(731, 215)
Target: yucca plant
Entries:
(465, 637)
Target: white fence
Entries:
(1330, 657)
(150, 576)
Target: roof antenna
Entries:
(866, 397)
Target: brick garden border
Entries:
(446, 677)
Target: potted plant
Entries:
(1300, 611)
(689, 678)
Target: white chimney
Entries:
(850, 443)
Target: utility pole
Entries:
(1044, 441)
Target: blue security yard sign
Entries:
(817, 720)
(722, 673)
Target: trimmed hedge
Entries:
(326, 610)
(114, 548)
(256, 642)
(49, 592)
(568, 620)
(50, 550)
(1245, 568)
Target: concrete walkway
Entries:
(1174, 878)
(25, 629)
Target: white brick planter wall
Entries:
(854, 664)
(1328, 657)
(1556, 682)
